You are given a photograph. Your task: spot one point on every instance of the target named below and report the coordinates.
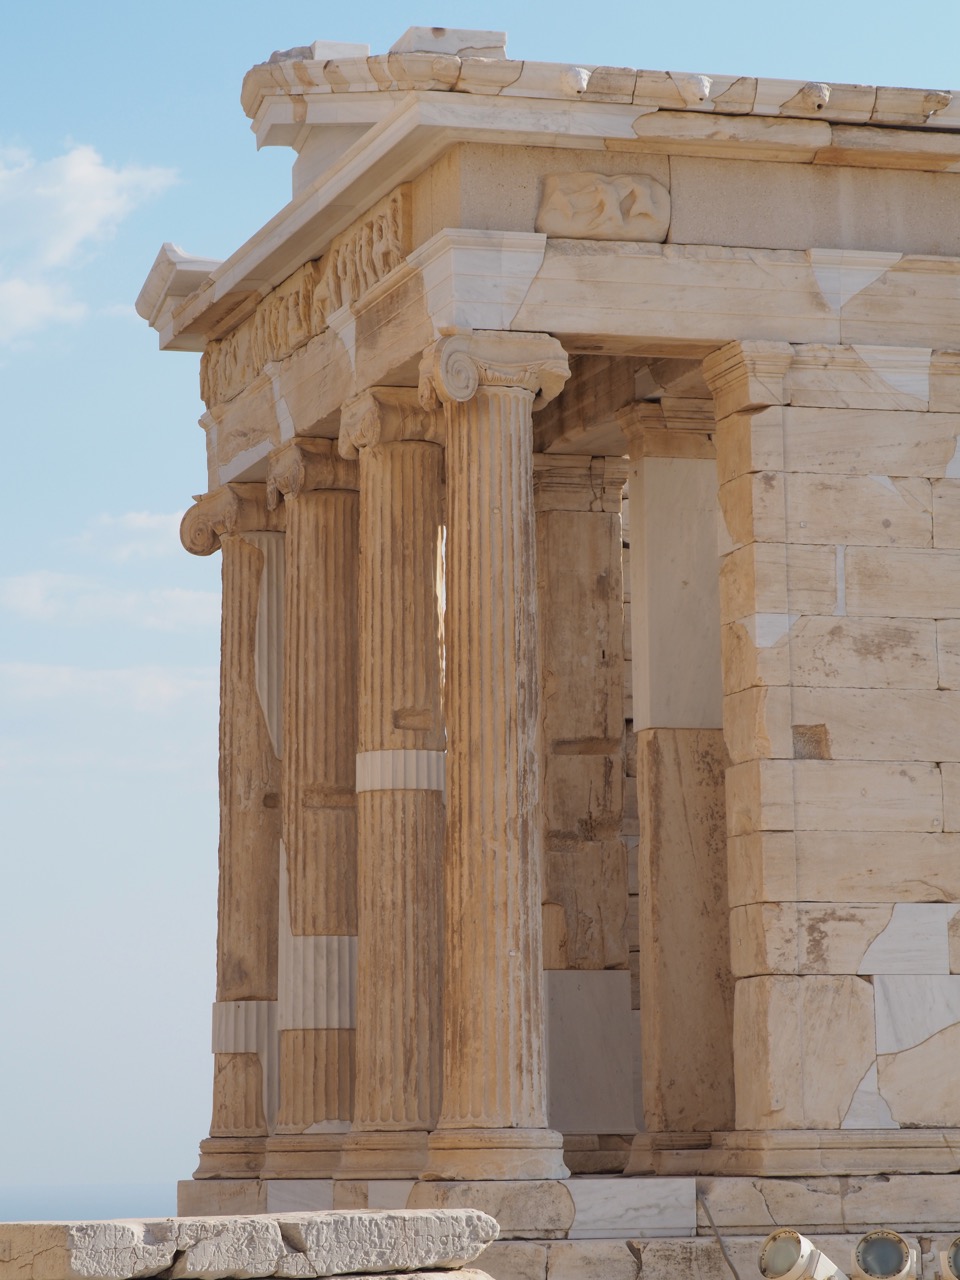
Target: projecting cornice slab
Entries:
(365, 125)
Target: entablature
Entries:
(365, 126)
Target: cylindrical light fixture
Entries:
(787, 1255)
(884, 1255)
(950, 1261)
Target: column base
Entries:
(596, 1153)
(797, 1152)
(231, 1157)
(302, 1155)
(465, 1155)
(383, 1153)
(659, 1153)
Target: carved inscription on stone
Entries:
(592, 206)
(298, 309)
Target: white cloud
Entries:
(52, 212)
(46, 596)
(143, 689)
(26, 306)
(133, 535)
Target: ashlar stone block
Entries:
(780, 1021)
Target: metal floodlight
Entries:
(787, 1255)
(950, 1261)
(884, 1255)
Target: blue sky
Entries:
(121, 128)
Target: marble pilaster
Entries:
(400, 773)
(585, 955)
(684, 967)
(493, 1115)
(830, 460)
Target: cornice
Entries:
(412, 105)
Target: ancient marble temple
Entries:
(582, 451)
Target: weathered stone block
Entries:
(686, 985)
(782, 1021)
(293, 1245)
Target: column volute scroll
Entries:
(231, 509)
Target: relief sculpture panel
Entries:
(298, 309)
(593, 206)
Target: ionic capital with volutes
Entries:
(386, 415)
(747, 376)
(304, 464)
(455, 368)
(233, 508)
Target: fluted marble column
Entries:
(235, 519)
(493, 1114)
(400, 770)
(318, 905)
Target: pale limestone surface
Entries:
(533, 1208)
(212, 1248)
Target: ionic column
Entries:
(493, 1115)
(318, 905)
(400, 772)
(235, 519)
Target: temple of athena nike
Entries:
(583, 453)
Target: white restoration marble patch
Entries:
(843, 273)
(913, 1007)
(905, 368)
(915, 941)
(294, 1195)
(616, 1208)
(867, 1109)
(477, 279)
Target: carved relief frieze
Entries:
(593, 206)
(298, 309)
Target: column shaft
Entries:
(236, 520)
(400, 800)
(318, 906)
(493, 1117)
